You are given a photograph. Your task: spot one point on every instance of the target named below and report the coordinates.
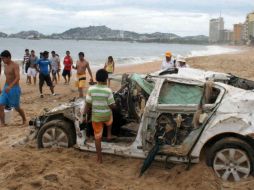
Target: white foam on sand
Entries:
(132, 60)
(208, 50)
(136, 60)
(213, 50)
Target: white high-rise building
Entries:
(215, 28)
(245, 32)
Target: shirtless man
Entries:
(10, 95)
(81, 67)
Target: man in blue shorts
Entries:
(10, 94)
(43, 66)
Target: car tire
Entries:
(56, 133)
(232, 159)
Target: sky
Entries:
(182, 17)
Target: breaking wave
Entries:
(212, 50)
(136, 60)
(206, 51)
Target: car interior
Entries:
(180, 128)
(130, 102)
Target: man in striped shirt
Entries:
(100, 99)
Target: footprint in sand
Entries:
(36, 184)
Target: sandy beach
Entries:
(26, 167)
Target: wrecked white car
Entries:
(203, 75)
(166, 118)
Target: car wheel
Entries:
(56, 133)
(231, 159)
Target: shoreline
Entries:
(152, 66)
(206, 50)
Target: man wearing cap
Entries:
(168, 62)
(43, 66)
(181, 62)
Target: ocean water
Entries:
(98, 51)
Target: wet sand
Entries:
(26, 167)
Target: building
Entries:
(226, 36)
(215, 28)
(238, 33)
(250, 26)
(245, 32)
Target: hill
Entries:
(108, 34)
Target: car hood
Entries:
(78, 103)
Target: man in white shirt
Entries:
(55, 62)
(168, 62)
(31, 72)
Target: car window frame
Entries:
(188, 108)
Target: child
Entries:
(110, 67)
(100, 99)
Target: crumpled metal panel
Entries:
(198, 74)
(145, 85)
(224, 123)
(237, 101)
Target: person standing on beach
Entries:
(26, 64)
(11, 92)
(68, 62)
(0, 65)
(55, 62)
(110, 68)
(32, 69)
(59, 68)
(43, 66)
(168, 62)
(41, 55)
(81, 66)
(101, 101)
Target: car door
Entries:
(178, 102)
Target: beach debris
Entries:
(29, 137)
(150, 158)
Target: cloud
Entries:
(182, 17)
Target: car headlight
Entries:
(37, 122)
